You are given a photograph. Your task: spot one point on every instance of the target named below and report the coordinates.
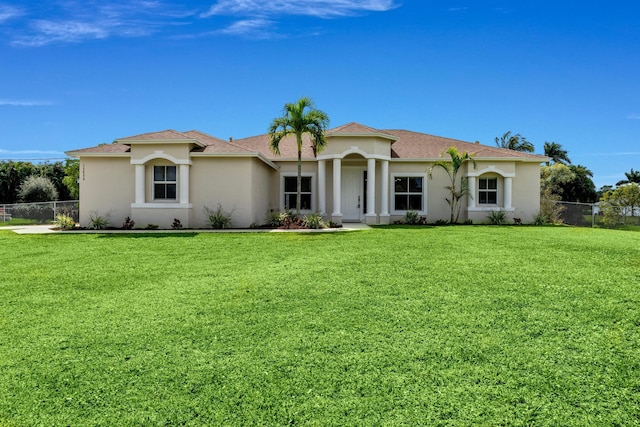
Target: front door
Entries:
(352, 194)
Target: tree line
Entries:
(23, 181)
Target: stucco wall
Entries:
(106, 187)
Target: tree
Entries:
(557, 154)
(297, 119)
(37, 189)
(617, 204)
(514, 142)
(72, 175)
(12, 175)
(452, 168)
(552, 180)
(632, 176)
(580, 188)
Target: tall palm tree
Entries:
(452, 167)
(557, 154)
(632, 176)
(514, 142)
(297, 119)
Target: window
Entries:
(164, 182)
(408, 193)
(290, 192)
(488, 191)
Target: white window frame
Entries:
(313, 191)
(165, 182)
(392, 187)
(488, 190)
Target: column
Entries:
(508, 183)
(140, 199)
(184, 184)
(322, 187)
(336, 216)
(371, 217)
(384, 192)
(471, 195)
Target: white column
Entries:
(471, 195)
(508, 183)
(184, 184)
(322, 186)
(337, 189)
(371, 191)
(139, 194)
(384, 188)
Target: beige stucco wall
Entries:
(372, 145)
(106, 187)
(526, 191)
(177, 151)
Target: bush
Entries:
(37, 189)
(41, 212)
(128, 224)
(218, 218)
(64, 222)
(97, 221)
(313, 221)
(151, 227)
(176, 225)
(497, 217)
(441, 222)
(412, 218)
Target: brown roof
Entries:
(405, 144)
(164, 135)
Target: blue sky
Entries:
(76, 73)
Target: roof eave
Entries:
(247, 154)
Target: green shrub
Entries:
(497, 217)
(412, 218)
(37, 189)
(151, 227)
(176, 225)
(313, 221)
(441, 222)
(98, 221)
(64, 222)
(540, 219)
(218, 218)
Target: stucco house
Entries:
(364, 175)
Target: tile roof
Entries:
(405, 144)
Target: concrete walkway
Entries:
(46, 229)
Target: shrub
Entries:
(497, 217)
(64, 222)
(97, 221)
(412, 218)
(441, 222)
(37, 189)
(41, 212)
(313, 221)
(151, 227)
(218, 218)
(128, 223)
(176, 224)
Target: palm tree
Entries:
(514, 142)
(632, 176)
(557, 154)
(297, 119)
(452, 168)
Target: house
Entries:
(363, 175)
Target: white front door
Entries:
(352, 194)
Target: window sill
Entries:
(164, 205)
(490, 208)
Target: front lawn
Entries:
(472, 325)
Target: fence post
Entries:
(4, 214)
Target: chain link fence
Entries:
(37, 213)
(589, 214)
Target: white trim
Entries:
(354, 150)
(259, 155)
(314, 191)
(160, 154)
(168, 205)
(491, 208)
(392, 188)
(492, 169)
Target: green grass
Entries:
(443, 326)
(19, 221)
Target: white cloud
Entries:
(23, 103)
(318, 8)
(9, 12)
(14, 153)
(635, 116)
(458, 9)
(92, 19)
(256, 28)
